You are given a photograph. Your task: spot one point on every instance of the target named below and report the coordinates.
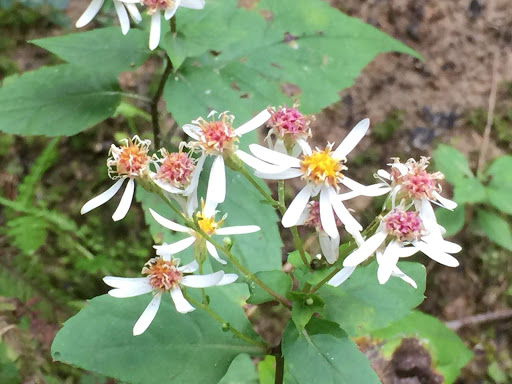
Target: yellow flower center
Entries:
(208, 224)
(321, 168)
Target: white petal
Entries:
(122, 15)
(134, 290)
(290, 173)
(407, 251)
(168, 223)
(174, 247)
(399, 273)
(387, 261)
(122, 282)
(259, 165)
(210, 208)
(189, 268)
(134, 12)
(256, 122)
(352, 139)
(450, 247)
(217, 182)
(89, 14)
(341, 276)
(351, 224)
(305, 147)
(326, 212)
(192, 130)
(274, 157)
(196, 173)
(166, 187)
(447, 203)
(294, 211)
(436, 254)
(181, 304)
(384, 174)
(102, 198)
(402, 168)
(356, 187)
(237, 230)
(213, 252)
(228, 278)
(193, 4)
(154, 33)
(170, 12)
(147, 316)
(329, 246)
(365, 250)
(126, 201)
(192, 204)
(202, 281)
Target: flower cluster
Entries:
(154, 8)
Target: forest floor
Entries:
(413, 105)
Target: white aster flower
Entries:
(169, 7)
(121, 10)
(164, 275)
(126, 162)
(346, 272)
(206, 221)
(288, 130)
(323, 172)
(403, 233)
(219, 139)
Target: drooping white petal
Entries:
(189, 268)
(326, 212)
(294, 211)
(168, 223)
(280, 147)
(387, 261)
(192, 130)
(193, 4)
(174, 247)
(134, 12)
(450, 247)
(406, 251)
(154, 33)
(126, 201)
(196, 173)
(213, 253)
(89, 14)
(384, 174)
(122, 15)
(305, 147)
(166, 256)
(131, 291)
(399, 273)
(402, 168)
(352, 139)
(170, 12)
(147, 316)
(102, 198)
(122, 282)
(217, 182)
(290, 173)
(436, 254)
(202, 281)
(329, 246)
(447, 203)
(370, 191)
(364, 190)
(210, 208)
(192, 204)
(343, 214)
(341, 276)
(256, 122)
(237, 230)
(365, 250)
(228, 278)
(181, 304)
(166, 187)
(274, 157)
(259, 165)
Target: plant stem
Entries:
(262, 192)
(220, 320)
(156, 99)
(279, 366)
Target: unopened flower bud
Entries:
(225, 327)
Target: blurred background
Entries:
(52, 259)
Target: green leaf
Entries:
(495, 228)
(449, 354)
(500, 173)
(266, 370)
(304, 307)
(361, 304)
(60, 100)
(469, 191)
(280, 282)
(100, 50)
(186, 349)
(241, 371)
(452, 221)
(452, 163)
(501, 199)
(323, 353)
(261, 56)
(28, 233)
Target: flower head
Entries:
(163, 274)
(415, 181)
(403, 225)
(321, 167)
(289, 125)
(216, 137)
(175, 169)
(130, 159)
(153, 6)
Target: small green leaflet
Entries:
(495, 228)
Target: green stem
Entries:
(156, 99)
(260, 189)
(279, 366)
(221, 321)
(203, 291)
